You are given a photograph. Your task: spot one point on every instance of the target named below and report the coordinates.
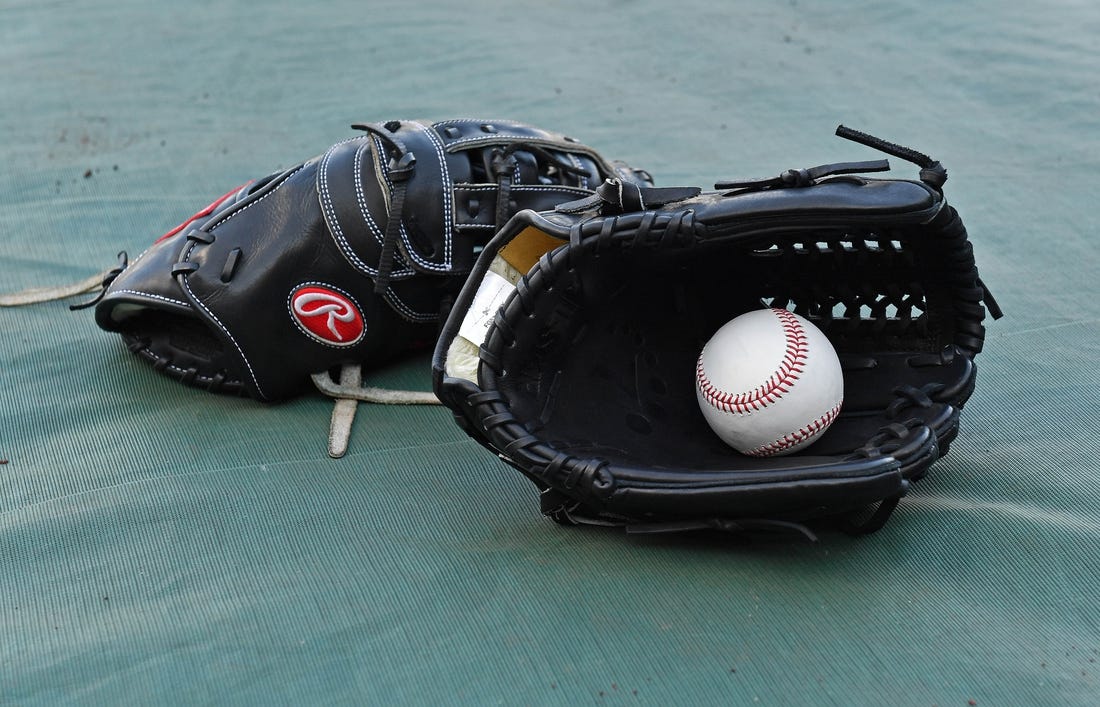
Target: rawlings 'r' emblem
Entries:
(327, 315)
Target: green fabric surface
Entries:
(161, 545)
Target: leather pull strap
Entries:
(806, 177)
(400, 170)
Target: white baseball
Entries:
(769, 383)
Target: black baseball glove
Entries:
(571, 351)
(342, 261)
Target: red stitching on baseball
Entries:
(778, 383)
(789, 440)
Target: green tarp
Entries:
(161, 545)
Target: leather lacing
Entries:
(108, 278)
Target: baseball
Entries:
(769, 383)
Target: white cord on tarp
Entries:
(349, 391)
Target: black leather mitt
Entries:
(571, 351)
(345, 259)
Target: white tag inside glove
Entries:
(506, 269)
(462, 355)
(490, 296)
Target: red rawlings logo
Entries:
(327, 315)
